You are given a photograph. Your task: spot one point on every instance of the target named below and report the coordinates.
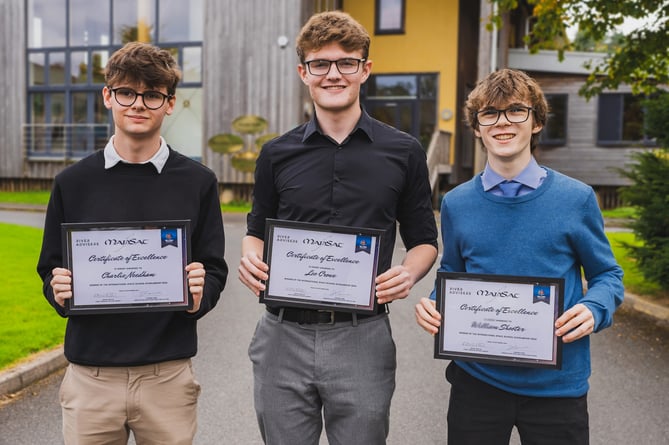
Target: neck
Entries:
(136, 150)
(510, 168)
(338, 124)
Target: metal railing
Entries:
(63, 141)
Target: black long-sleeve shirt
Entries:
(86, 192)
(375, 178)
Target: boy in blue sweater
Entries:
(547, 225)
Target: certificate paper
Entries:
(321, 266)
(500, 319)
(127, 267)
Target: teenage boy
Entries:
(132, 371)
(548, 225)
(340, 168)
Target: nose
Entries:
(333, 71)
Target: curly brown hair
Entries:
(329, 27)
(501, 87)
(142, 63)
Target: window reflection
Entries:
(36, 69)
(46, 23)
(88, 24)
(181, 21)
(134, 20)
(192, 64)
(56, 68)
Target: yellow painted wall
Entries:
(429, 45)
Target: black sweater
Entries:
(86, 192)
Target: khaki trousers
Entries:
(158, 403)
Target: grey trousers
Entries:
(342, 374)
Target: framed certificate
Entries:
(127, 266)
(320, 266)
(507, 320)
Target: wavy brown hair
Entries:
(142, 63)
(505, 86)
(332, 27)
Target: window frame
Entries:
(544, 139)
(379, 28)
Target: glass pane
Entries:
(36, 69)
(46, 23)
(89, 22)
(56, 68)
(37, 108)
(79, 67)
(181, 21)
(555, 129)
(389, 15)
(632, 118)
(428, 86)
(57, 120)
(192, 64)
(428, 121)
(134, 20)
(393, 86)
(99, 62)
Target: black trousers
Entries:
(482, 414)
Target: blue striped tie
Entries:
(510, 188)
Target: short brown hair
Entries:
(329, 27)
(500, 87)
(143, 63)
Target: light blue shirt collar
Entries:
(158, 160)
(532, 176)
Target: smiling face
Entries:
(335, 92)
(507, 141)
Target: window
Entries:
(620, 120)
(389, 17)
(68, 45)
(555, 131)
(405, 101)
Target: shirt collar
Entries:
(531, 176)
(364, 124)
(158, 160)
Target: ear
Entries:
(170, 105)
(537, 128)
(107, 97)
(302, 71)
(366, 70)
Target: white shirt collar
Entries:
(158, 160)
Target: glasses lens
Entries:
(517, 115)
(319, 67)
(348, 66)
(153, 99)
(125, 96)
(487, 117)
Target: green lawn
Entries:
(28, 323)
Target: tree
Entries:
(642, 58)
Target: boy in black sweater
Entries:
(132, 371)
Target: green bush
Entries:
(649, 193)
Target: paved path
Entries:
(628, 400)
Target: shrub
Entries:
(649, 192)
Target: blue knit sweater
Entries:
(553, 231)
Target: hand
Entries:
(575, 323)
(427, 316)
(61, 284)
(196, 274)
(252, 272)
(393, 284)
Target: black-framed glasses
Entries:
(152, 100)
(516, 115)
(320, 67)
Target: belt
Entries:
(311, 316)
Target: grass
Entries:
(28, 324)
(620, 213)
(633, 280)
(42, 198)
